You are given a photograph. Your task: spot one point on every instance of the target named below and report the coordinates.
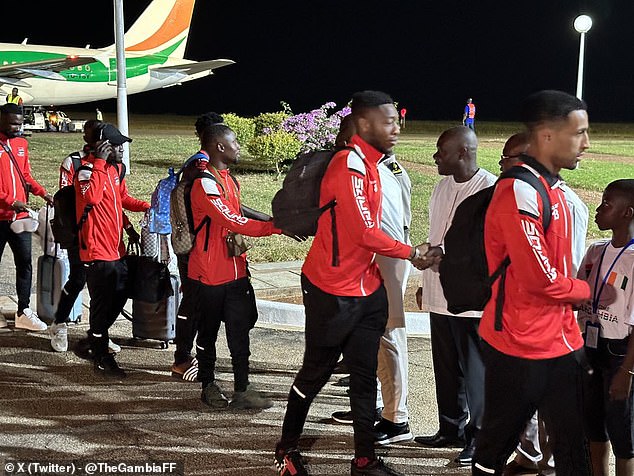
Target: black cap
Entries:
(113, 134)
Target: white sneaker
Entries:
(59, 337)
(113, 348)
(3, 321)
(28, 320)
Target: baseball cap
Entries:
(113, 134)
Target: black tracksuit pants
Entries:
(234, 304)
(72, 288)
(335, 325)
(107, 282)
(187, 316)
(20, 244)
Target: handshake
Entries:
(425, 256)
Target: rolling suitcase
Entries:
(52, 274)
(157, 320)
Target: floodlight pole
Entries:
(582, 24)
(122, 94)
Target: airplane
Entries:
(154, 51)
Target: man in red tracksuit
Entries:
(224, 292)
(534, 361)
(97, 186)
(15, 177)
(344, 297)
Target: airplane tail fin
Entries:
(162, 27)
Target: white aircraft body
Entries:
(154, 51)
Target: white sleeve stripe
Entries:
(210, 186)
(355, 163)
(526, 198)
(83, 175)
(534, 241)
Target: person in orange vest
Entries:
(468, 117)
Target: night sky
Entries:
(429, 55)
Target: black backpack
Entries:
(464, 272)
(296, 205)
(64, 225)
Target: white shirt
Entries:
(579, 213)
(615, 310)
(445, 198)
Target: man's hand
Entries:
(299, 238)
(419, 297)
(103, 150)
(434, 257)
(426, 256)
(49, 199)
(19, 206)
(133, 236)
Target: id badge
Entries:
(592, 334)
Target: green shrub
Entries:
(244, 127)
(274, 148)
(269, 122)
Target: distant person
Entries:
(15, 184)
(14, 98)
(533, 362)
(345, 300)
(534, 451)
(97, 184)
(98, 115)
(607, 321)
(468, 117)
(402, 114)
(392, 370)
(58, 330)
(455, 343)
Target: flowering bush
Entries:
(316, 129)
(269, 121)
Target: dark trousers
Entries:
(107, 281)
(335, 325)
(459, 375)
(514, 389)
(234, 304)
(20, 244)
(187, 317)
(72, 288)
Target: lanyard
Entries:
(597, 295)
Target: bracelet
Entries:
(631, 372)
(416, 254)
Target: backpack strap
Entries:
(75, 158)
(524, 174)
(197, 156)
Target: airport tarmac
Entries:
(56, 410)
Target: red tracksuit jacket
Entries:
(11, 188)
(101, 234)
(538, 321)
(343, 263)
(209, 261)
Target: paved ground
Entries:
(55, 409)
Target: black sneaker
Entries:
(108, 367)
(375, 468)
(289, 463)
(388, 432)
(346, 417)
(213, 397)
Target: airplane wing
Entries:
(187, 69)
(49, 69)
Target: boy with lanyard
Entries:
(608, 267)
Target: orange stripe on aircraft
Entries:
(176, 23)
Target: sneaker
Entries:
(388, 432)
(213, 397)
(346, 417)
(108, 367)
(59, 336)
(113, 348)
(374, 468)
(289, 463)
(250, 399)
(187, 370)
(28, 320)
(3, 321)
